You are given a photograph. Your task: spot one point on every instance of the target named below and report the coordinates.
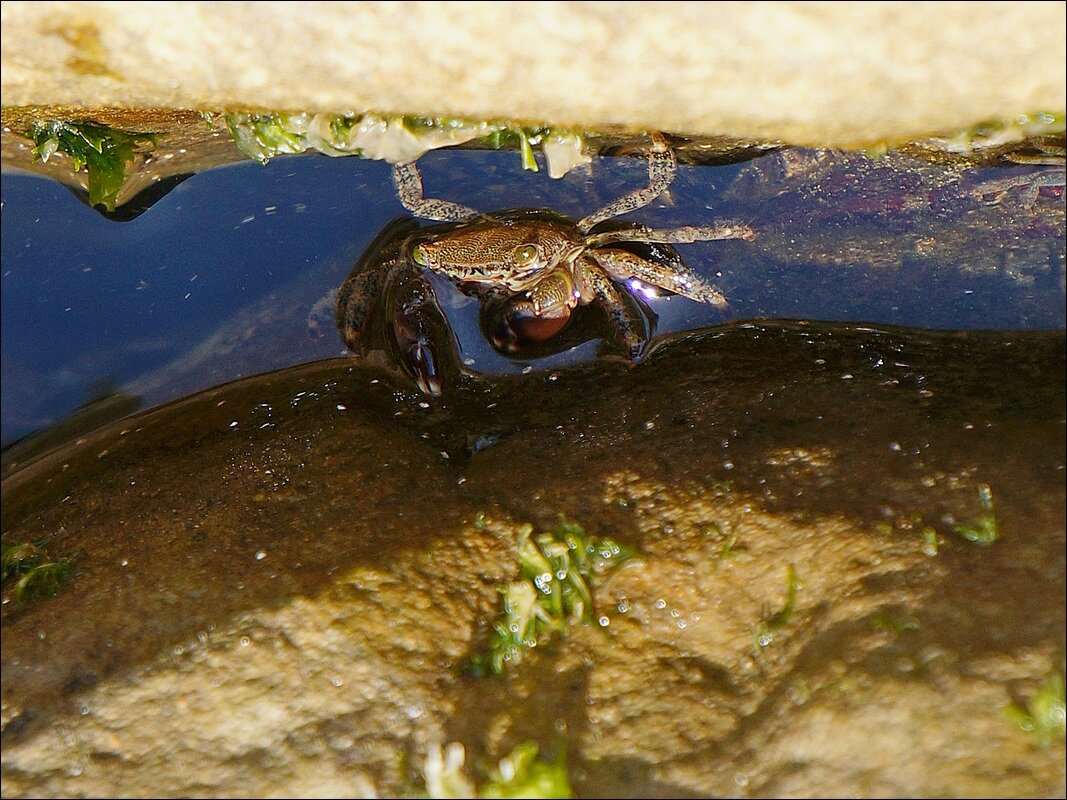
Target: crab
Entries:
(541, 264)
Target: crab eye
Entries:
(524, 255)
(420, 256)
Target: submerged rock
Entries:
(285, 578)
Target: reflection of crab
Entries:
(542, 263)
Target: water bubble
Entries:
(604, 622)
(245, 641)
(661, 603)
(413, 712)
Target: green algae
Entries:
(769, 626)
(982, 530)
(397, 138)
(1043, 716)
(553, 592)
(34, 573)
(518, 774)
(105, 153)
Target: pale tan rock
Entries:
(811, 73)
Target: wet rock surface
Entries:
(283, 578)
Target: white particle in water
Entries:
(261, 555)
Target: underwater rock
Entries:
(285, 578)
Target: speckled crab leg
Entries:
(623, 265)
(686, 235)
(661, 171)
(408, 183)
(594, 279)
(356, 300)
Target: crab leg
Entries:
(408, 183)
(357, 299)
(592, 278)
(661, 171)
(622, 265)
(686, 235)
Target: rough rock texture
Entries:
(283, 578)
(810, 73)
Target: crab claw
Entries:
(521, 325)
(414, 338)
(420, 361)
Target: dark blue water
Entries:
(216, 280)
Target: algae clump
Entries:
(106, 153)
